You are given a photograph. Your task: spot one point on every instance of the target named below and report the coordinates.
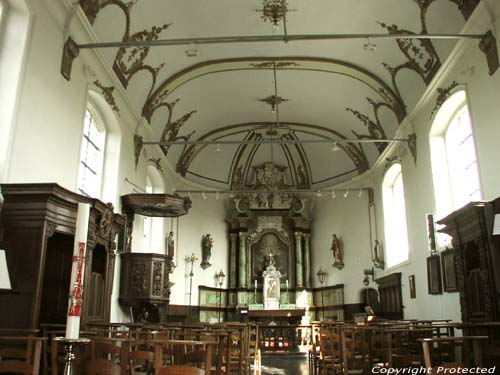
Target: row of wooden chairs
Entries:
(340, 348)
(221, 349)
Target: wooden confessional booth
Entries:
(37, 226)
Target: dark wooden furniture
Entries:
(145, 282)
(477, 260)
(20, 354)
(38, 222)
(391, 297)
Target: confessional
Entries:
(38, 225)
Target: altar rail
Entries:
(284, 338)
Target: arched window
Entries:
(91, 155)
(396, 232)
(153, 228)
(453, 158)
(15, 26)
(99, 151)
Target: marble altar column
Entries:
(242, 282)
(232, 265)
(307, 260)
(298, 257)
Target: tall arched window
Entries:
(453, 157)
(99, 151)
(153, 228)
(396, 232)
(91, 155)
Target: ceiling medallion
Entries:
(274, 11)
(273, 101)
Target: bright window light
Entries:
(396, 232)
(91, 158)
(453, 157)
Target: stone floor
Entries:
(286, 364)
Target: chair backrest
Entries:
(144, 359)
(20, 355)
(102, 367)
(181, 370)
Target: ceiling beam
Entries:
(273, 141)
(271, 38)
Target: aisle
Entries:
(286, 364)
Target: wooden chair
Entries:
(330, 349)
(475, 361)
(141, 362)
(20, 354)
(181, 370)
(102, 367)
(253, 350)
(206, 346)
(356, 355)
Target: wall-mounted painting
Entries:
(449, 271)
(434, 275)
(411, 281)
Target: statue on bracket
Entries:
(338, 259)
(170, 245)
(206, 250)
(378, 257)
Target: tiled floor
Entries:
(285, 364)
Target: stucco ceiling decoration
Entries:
(334, 91)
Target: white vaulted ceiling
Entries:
(335, 88)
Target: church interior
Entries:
(249, 187)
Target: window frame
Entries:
(393, 173)
(442, 179)
(97, 120)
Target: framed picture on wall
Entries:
(449, 271)
(411, 281)
(434, 275)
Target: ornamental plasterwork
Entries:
(171, 130)
(375, 128)
(107, 93)
(443, 95)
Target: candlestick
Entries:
(77, 272)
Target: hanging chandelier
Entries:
(274, 11)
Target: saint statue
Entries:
(206, 250)
(170, 245)
(337, 252)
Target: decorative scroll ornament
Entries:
(50, 229)
(138, 278)
(130, 61)
(412, 146)
(157, 164)
(172, 128)
(138, 145)
(489, 47)
(443, 95)
(107, 93)
(421, 55)
(157, 279)
(106, 221)
(272, 64)
(70, 53)
(375, 128)
(390, 161)
(273, 101)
